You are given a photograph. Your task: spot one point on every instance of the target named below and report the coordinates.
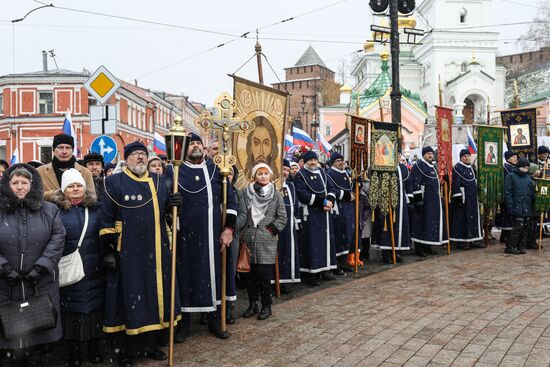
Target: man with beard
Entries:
(63, 159)
(201, 239)
(94, 162)
(428, 227)
(137, 255)
(317, 195)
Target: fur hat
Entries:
(34, 199)
(523, 162)
(427, 149)
(509, 154)
(335, 156)
(62, 139)
(133, 146)
(309, 155)
(464, 152)
(70, 177)
(286, 163)
(93, 157)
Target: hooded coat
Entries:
(32, 234)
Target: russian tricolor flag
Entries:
(472, 147)
(68, 129)
(302, 138)
(14, 157)
(289, 142)
(324, 146)
(159, 146)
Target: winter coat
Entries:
(261, 242)
(88, 294)
(519, 194)
(50, 183)
(32, 234)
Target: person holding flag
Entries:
(63, 159)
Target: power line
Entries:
(495, 25)
(522, 4)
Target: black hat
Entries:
(509, 154)
(35, 163)
(523, 162)
(194, 137)
(334, 156)
(427, 149)
(543, 149)
(108, 166)
(62, 139)
(93, 157)
(286, 163)
(136, 145)
(310, 154)
(4, 163)
(464, 152)
(163, 157)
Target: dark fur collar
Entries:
(9, 202)
(63, 203)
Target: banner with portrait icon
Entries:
(489, 163)
(444, 132)
(359, 147)
(521, 135)
(384, 159)
(542, 197)
(266, 107)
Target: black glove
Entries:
(272, 229)
(457, 201)
(175, 199)
(36, 273)
(109, 261)
(10, 275)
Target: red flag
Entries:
(444, 127)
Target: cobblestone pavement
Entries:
(477, 307)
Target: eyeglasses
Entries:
(138, 154)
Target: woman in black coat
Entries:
(31, 244)
(82, 302)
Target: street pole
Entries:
(394, 46)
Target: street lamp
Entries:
(303, 105)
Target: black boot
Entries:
(125, 360)
(215, 328)
(75, 354)
(285, 289)
(265, 312)
(94, 355)
(183, 329)
(327, 275)
(204, 318)
(365, 248)
(230, 316)
(251, 310)
(157, 355)
(419, 250)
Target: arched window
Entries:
(464, 67)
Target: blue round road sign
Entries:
(106, 146)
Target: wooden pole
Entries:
(173, 274)
(392, 235)
(258, 49)
(224, 260)
(381, 110)
(446, 194)
(357, 180)
(486, 225)
(277, 277)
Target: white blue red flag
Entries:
(68, 129)
(302, 138)
(324, 146)
(472, 147)
(14, 157)
(159, 146)
(289, 142)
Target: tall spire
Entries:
(310, 57)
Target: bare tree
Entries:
(538, 34)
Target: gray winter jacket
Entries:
(261, 242)
(32, 234)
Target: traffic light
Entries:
(379, 6)
(405, 6)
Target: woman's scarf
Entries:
(259, 198)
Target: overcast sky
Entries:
(132, 50)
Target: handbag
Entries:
(71, 269)
(23, 318)
(243, 263)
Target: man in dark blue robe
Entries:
(504, 220)
(288, 245)
(344, 217)
(316, 193)
(137, 255)
(201, 239)
(465, 220)
(401, 227)
(428, 227)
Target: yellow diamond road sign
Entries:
(102, 84)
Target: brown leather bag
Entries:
(243, 264)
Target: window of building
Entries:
(300, 85)
(305, 69)
(463, 67)
(45, 102)
(129, 115)
(311, 68)
(520, 57)
(45, 154)
(328, 129)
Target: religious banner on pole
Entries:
(359, 144)
(444, 130)
(521, 125)
(266, 107)
(542, 197)
(383, 166)
(489, 163)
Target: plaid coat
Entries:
(262, 244)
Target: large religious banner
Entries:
(542, 197)
(521, 125)
(444, 130)
(266, 107)
(489, 165)
(359, 147)
(383, 166)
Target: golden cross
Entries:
(224, 123)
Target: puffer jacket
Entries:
(88, 294)
(519, 194)
(32, 234)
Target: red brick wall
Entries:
(28, 101)
(63, 101)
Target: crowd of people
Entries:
(119, 219)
